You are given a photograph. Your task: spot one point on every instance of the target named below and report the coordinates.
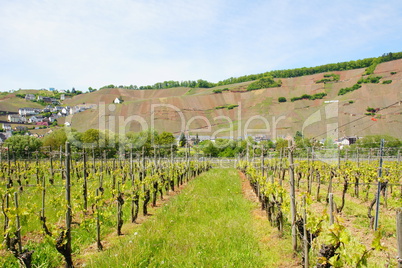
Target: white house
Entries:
(28, 111)
(345, 141)
(14, 118)
(6, 127)
(36, 119)
(53, 118)
(117, 100)
(65, 110)
(47, 109)
(29, 97)
(57, 109)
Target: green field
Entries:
(209, 224)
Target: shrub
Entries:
(387, 82)
(345, 90)
(265, 82)
(309, 97)
(216, 91)
(282, 99)
(231, 106)
(351, 101)
(392, 73)
(370, 79)
(220, 107)
(324, 80)
(329, 78)
(227, 106)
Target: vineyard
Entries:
(337, 212)
(54, 207)
(337, 221)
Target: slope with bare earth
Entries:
(177, 109)
(196, 109)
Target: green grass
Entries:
(209, 224)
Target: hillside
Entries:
(202, 111)
(195, 108)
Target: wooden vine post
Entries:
(399, 235)
(331, 208)
(67, 255)
(85, 183)
(18, 225)
(98, 231)
(120, 203)
(305, 238)
(377, 210)
(292, 197)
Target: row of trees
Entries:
(165, 84)
(231, 148)
(164, 144)
(149, 142)
(369, 63)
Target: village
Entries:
(29, 118)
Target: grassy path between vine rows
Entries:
(209, 224)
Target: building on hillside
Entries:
(65, 111)
(6, 127)
(43, 123)
(36, 119)
(346, 141)
(15, 118)
(48, 100)
(117, 101)
(53, 118)
(28, 111)
(47, 109)
(62, 97)
(21, 128)
(29, 97)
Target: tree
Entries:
(90, 89)
(166, 141)
(209, 149)
(264, 82)
(298, 135)
(21, 145)
(91, 136)
(182, 140)
(280, 144)
(55, 139)
(197, 139)
(282, 99)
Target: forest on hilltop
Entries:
(369, 63)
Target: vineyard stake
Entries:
(98, 240)
(68, 199)
(85, 181)
(377, 207)
(399, 235)
(17, 219)
(292, 197)
(331, 208)
(305, 239)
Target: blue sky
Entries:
(92, 43)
